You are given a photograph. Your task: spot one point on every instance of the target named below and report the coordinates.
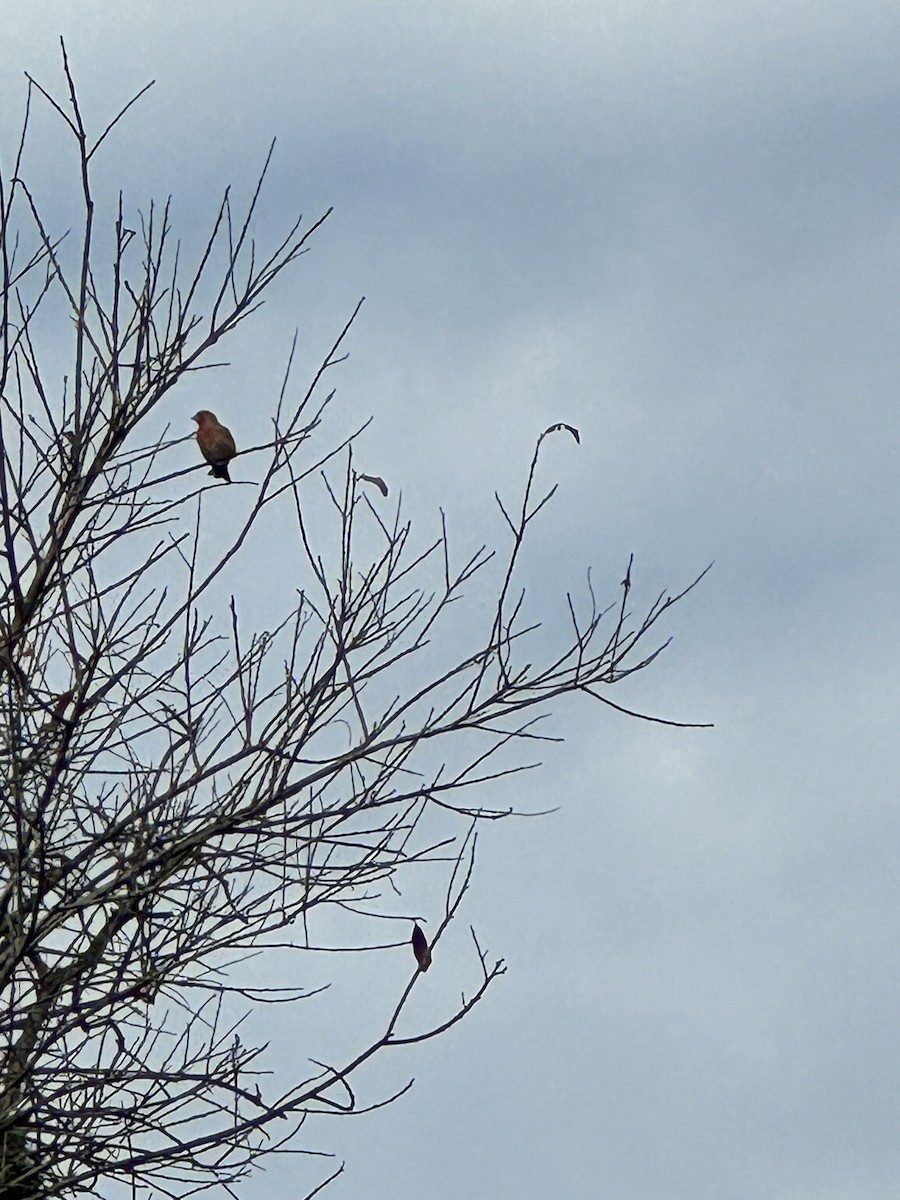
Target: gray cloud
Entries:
(676, 227)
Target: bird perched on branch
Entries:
(421, 948)
(215, 442)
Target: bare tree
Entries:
(181, 792)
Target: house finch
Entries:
(420, 949)
(215, 442)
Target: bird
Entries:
(215, 442)
(420, 948)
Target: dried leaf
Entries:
(378, 481)
(563, 425)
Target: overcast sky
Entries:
(676, 226)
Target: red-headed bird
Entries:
(215, 442)
(420, 948)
